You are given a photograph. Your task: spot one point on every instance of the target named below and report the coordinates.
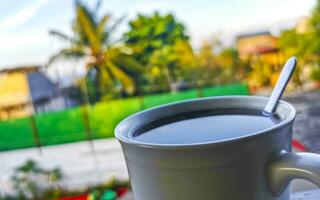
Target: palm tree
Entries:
(109, 64)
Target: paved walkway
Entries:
(79, 163)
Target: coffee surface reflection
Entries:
(203, 129)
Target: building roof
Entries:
(30, 68)
(263, 50)
(41, 88)
(253, 34)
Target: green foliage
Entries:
(169, 62)
(208, 69)
(315, 73)
(300, 44)
(260, 74)
(35, 183)
(216, 65)
(315, 32)
(160, 43)
(315, 17)
(289, 39)
(233, 69)
(97, 190)
(32, 182)
(150, 33)
(305, 45)
(91, 41)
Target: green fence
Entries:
(105, 116)
(91, 122)
(60, 127)
(16, 134)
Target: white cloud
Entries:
(21, 16)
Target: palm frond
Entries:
(68, 53)
(98, 5)
(60, 35)
(107, 79)
(88, 27)
(116, 24)
(108, 31)
(118, 74)
(101, 28)
(125, 61)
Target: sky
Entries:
(24, 24)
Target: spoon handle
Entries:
(282, 82)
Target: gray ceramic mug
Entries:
(258, 166)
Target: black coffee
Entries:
(203, 129)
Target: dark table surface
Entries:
(307, 124)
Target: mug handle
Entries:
(283, 167)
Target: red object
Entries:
(296, 144)
(81, 197)
(121, 191)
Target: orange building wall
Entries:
(14, 95)
(252, 45)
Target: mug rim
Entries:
(127, 140)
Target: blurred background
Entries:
(71, 70)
